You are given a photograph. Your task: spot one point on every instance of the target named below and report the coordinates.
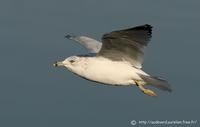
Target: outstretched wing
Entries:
(93, 46)
(126, 45)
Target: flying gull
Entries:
(117, 60)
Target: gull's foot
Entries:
(140, 85)
(149, 92)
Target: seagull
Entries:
(117, 60)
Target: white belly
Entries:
(109, 72)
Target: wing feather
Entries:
(92, 45)
(126, 45)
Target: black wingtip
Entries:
(148, 27)
(145, 27)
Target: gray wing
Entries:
(126, 45)
(93, 46)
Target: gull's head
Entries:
(72, 63)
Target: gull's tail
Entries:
(157, 82)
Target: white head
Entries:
(72, 63)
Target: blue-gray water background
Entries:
(35, 94)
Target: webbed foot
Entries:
(148, 92)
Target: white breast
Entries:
(110, 72)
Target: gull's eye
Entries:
(72, 61)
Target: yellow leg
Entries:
(140, 84)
